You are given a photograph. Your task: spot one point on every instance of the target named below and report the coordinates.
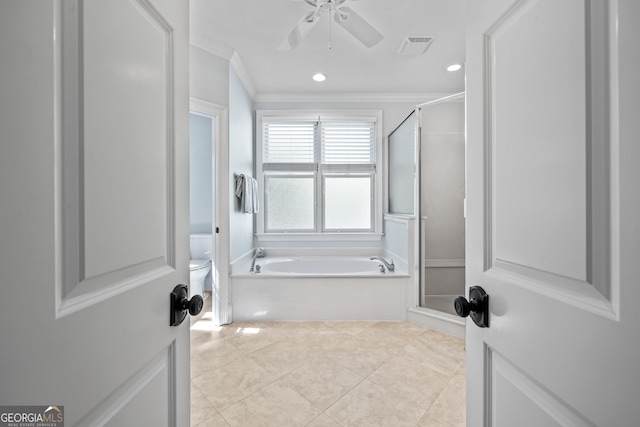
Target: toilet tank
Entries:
(201, 246)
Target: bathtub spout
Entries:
(389, 265)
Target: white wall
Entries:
(214, 79)
(209, 76)
(241, 161)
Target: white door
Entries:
(553, 204)
(94, 209)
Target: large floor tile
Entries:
(385, 337)
(323, 421)
(404, 329)
(215, 420)
(351, 328)
(449, 408)
(229, 384)
(249, 337)
(283, 356)
(303, 331)
(370, 405)
(201, 408)
(323, 339)
(212, 354)
(419, 354)
(415, 383)
(362, 357)
(275, 405)
(322, 383)
(443, 343)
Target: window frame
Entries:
(320, 232)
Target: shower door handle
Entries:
(181, 304)
(477, 307)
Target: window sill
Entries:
(318, 237)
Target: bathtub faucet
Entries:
(389, 266)
(258, 253)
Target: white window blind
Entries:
(348, 142)
(325, 142)
(289, 142)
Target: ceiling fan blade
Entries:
(358, 26)
(299, 32)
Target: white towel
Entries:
(242, 190)
(254, 195)
(247, 192)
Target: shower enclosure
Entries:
(442, 198)
(427, 180)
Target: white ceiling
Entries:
(253, 29)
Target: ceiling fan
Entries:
(346, 17)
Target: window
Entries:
(317, 171)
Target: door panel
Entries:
(136, 394)
(129, 210)
(538, 166)
(528, 399)
(96, 236)
(548, 203)
(135, 62)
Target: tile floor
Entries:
(325, 374)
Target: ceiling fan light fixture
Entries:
(344, 16)
(319, 77)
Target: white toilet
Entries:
(200, 263)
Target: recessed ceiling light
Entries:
(454, 67)
(319, 77)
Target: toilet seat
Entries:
(198, 264)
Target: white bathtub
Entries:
(333, 286)
(321, 266)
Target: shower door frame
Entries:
(431, 318)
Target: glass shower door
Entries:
(442, 193)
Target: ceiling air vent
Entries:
(415, 45)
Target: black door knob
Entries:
(477, 307)
(462, 306)
(181, 304)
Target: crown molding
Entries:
(417, 98)
(237, 65)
